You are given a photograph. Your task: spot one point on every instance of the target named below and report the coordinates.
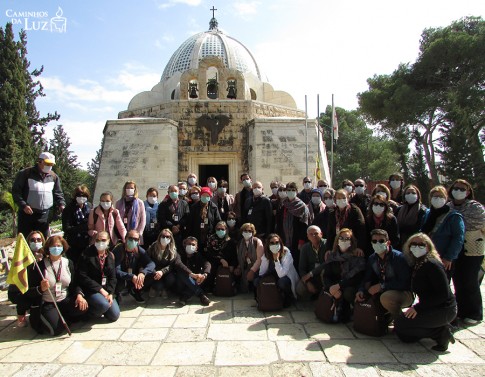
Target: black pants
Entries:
(467, 287)
(426, 324)
(21, 300)
(37, 221)
(50, 316)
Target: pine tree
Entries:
(419, 173)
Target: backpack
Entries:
(115, 228)
(326, 308)
(370, 317)
(268, 295)
(225, 284)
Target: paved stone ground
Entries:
(228, 338)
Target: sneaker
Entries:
(138, 297)
(470, 321)
(204, 300)
(182, 301)
(153, 293)
(164, 294)
(22, 321)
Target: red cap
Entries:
(206, 190)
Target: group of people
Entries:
(349, 243)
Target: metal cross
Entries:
(213, 10)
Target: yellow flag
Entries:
(22, 258)
(318, 173)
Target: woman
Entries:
(431, 316)
(204, 215)
(75, 222)
(396, 183)
(344, 270)
(348, 186)
(384, 191)
(152, 227)
(379, 217)
(36, 242)
(106, 218)
(212, 184)
(223, 200)
(57, 284)
(315, 206)
(278, 210)
(410, 214)
(321, 220)
(348, 216)
(132, 209)
(194, 195)
(249, 252)
(445, 227)
(467, 268)
(167, 263)
(97, 278)
(277, 261)
(232, 226)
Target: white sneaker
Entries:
(470, 321)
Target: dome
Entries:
(211, 43)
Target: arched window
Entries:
(253, 94)
(212, 83)
(172, 96)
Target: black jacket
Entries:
(90, 275)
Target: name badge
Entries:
(125, 220)
(317, 264)
(152, 225)
(250, 211)
(206, 220)
(248, 260)
(103, 280)
(222, 210)
(202, 225)
(175, 218)
(130, 271)
(58, 289)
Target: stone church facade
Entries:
(210, 114)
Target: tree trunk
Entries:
(429, 159)
(478, 163)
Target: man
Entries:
(306, 194)
(361, 199)
(242, 195)
(312, 259)
(36, 190)
(258, 211)
(388, 275)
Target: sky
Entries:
(97, 55)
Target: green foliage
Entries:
(358, 153)
(8, 219)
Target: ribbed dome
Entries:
(211, 43)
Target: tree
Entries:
(358, 153)
(418, 174)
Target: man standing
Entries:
(361, 199)
(36, 190)
(306, 194)
(242, 195)
(257, 211)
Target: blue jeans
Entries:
(98, 306)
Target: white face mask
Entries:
(46, 169)
(291, 194)
(35, 246)
(458, 195)
(247, 183)
(395, 184)
(282, 194)
(105, 205)
(316, 200)
(194, 196)
(359, 190)
(130, 192)
(275, 248)
(307, 185)
(257, 191)
(438, 202)
(418, 251)
(231, 223)
(382, 193)
(183, 192)
(411, 198)
(152, 199)
(100, 245)
(212, 185)
(164, 241)
(344, 245)
(377, 210)
(222, 190)
(379, 248)
(190, 249)
(247, 235)
(81, 200)
(329, 203)
(274, 190)
(191, 181)
(348, 188)
(342, 203)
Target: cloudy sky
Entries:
(110, 50)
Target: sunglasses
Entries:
(359, 185)
(344, 239)
(306, 182)
(133, 239)
(274, 243)
(323, 186)
(380, 241)
(420, 244)
(36, 240)
(220, 229)
(379, 204)
(459, 189)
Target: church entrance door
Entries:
(217, 171)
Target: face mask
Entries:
(130, 192)
(395, 184)
(247, 235)
(274, 190)
(344, 245)
(257, 191)
(438, 202)
(379, 248)
(341, 203)
(307, 185)
(105, 205)
(101, 245)
(231, 223)
(349, 189)
(291, 194)
(316, 200)
(55, 250)
(131, 244)
(46, 169)
(247, 183)
(382, 193)
(190, 249)
(359, 190)
(174, 195)
(35, 246)
(418, 251)
(275, 248)
(183, 192)
(152, 199)
(212, 185)
(81, 199)
(222, 190)
(194, 196)
(458, 195)
(220, 233)
(282, 194)
(205, 199)
(329, 202)
(411, 198)
(164, 241)
(191, 181)
(378, 210)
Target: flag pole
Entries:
(333, 125)
(318, 131)
(306, 136)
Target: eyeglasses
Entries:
(220, 229)
(133, 239)
(345, 239)
(36, 240)
(421, 244)
(379, 204)
(323, 186)
(274, 243)
(307, 182)
(166, 235)
(380, 241)
(290, 190)
(459, 189)
(359, 185)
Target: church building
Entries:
(213, 115)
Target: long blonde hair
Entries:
(431, 254)
(155, 250)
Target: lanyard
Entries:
(102, 261)
(57, 275)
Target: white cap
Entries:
(48, 158)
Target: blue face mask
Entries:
(220, 233)
(205, 199)
(131, 244)
(174, 195)
(56, 250)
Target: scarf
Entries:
(408, 215)
(151, 213)
(433, 216)
(81, 214)
(311, 211)
(216, 245)
(296, 208)
(341, 217)
(126, 206)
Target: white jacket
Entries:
(283, 268)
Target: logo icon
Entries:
(59, 23)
